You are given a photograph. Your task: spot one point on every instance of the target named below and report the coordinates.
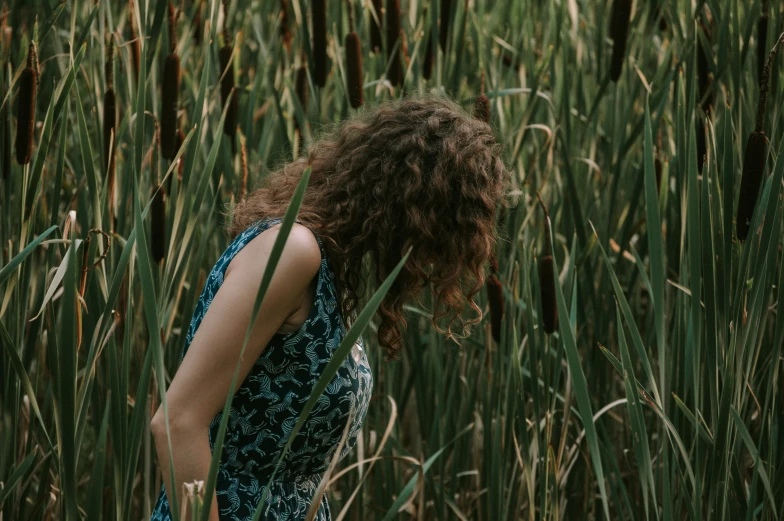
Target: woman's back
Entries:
(268, 403)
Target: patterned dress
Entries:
(267, 404)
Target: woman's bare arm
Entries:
(201, 384)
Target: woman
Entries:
(415, 172)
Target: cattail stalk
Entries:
(375, 27)
(353, 63)
(320, 65)
(169, 95)
(302, 95)
(393, 34)
(619, 28)
(755, 155)
(762, 35)
(158, 223)
(25, 114)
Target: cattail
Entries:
(495, 297)
(285, 32)
(320, 65)
(354, 69)
(197, 28)
(135, 43)
(110, 128)
(753, 171)
(169, 95)
(427, 63)
(619, 27)
(375, 27)
(482, 104)
(25, 112)
(482, 108)
(547, 279)
(227, 86)
(302, 95)
(762, 35)
(158, 224)
(704, 61)
(393, 34)
(180, 140)
(510, 62)
(4, 128)
(755, 155)
(443, 29)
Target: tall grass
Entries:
(659, 395)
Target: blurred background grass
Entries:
(659, 395)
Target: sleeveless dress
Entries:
(267, 404)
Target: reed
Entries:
(704, 67)
(495, 298)
(320, 63)
(482, 104)
(197, 23)
(619, 28)
(5, 129)
(427, 62)
(25, 112)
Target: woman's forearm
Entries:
(191, 460)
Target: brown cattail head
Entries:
(427, 63)
(354, 69)
(619, 27)
(510, 62)
(547, 278)
(25, 112)
(393, 34)
(285, 31)
(197, 26)
(158, 224)
(320, 64)
(169, 95)
(109, 63)
(495, 297)
(302, 86)
(493, 265)
(227, 86)
(482, 108)
(244, 165)
(443, 29)
(751, 179)
(135, 43)
(109, 129)
(375, 28)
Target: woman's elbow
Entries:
(179, 423)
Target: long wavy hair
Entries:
(414, 172)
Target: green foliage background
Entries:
(659, 397)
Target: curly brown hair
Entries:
(414, 172)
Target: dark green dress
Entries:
(269, 400)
